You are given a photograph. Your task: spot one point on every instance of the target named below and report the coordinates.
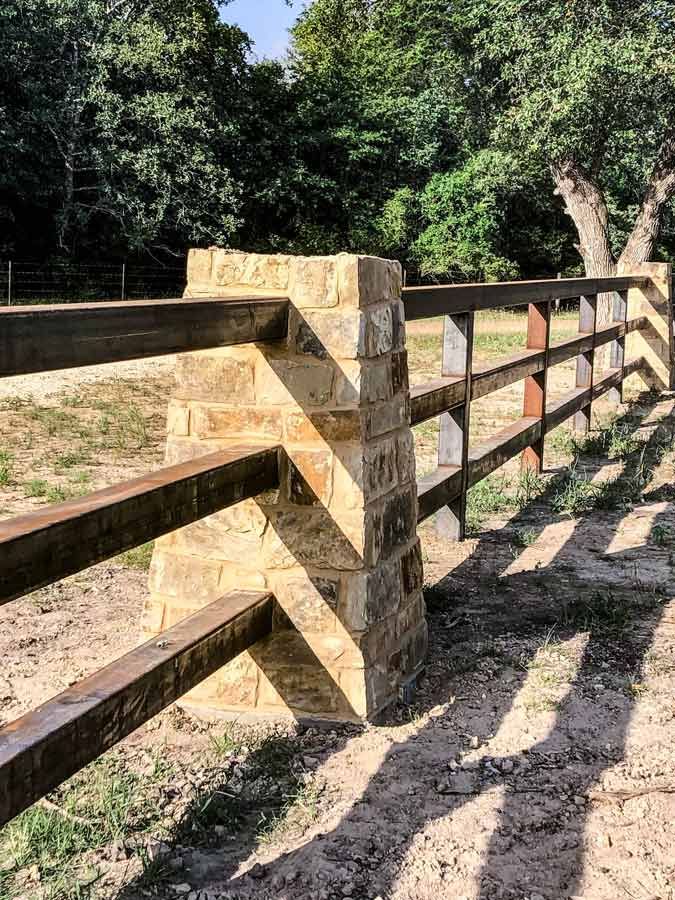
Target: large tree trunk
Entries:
(586, 205)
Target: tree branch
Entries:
(642, 242)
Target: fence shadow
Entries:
(538, 791)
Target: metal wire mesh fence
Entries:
(24, 282)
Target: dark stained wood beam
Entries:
(427, 302)
(41, 547)
(46, 746)
(42, 338)
(436, 397)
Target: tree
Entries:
(587, 88)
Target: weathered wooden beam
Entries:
(509, 442)
(436, 397)
(588, 320)
(427, 302)
(617, 351)
(437, 490)
(41, 547)
(45, 747)
(494, 376)
(41, 338)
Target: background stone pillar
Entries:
(337, 542)
(655, 302)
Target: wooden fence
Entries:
(46, 746)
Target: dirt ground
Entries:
(536, 760)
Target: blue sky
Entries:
(266, 21)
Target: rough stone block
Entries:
(287, 382)
(199, 267)
(389, 416)
(185, 576)
(221, 422)
(312, 539)
(370, 597)
(222, 376)
(329, 427)
(412, 570)
(313, 282)
(308, 601)
(379, 331)
(364, 280)
(178, 419)
(309, 477)
(325, 333)
(252, 271)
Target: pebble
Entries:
(507, 766)
(183, 888)
(474, 742)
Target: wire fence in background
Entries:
(26, 282)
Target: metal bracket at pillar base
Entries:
(407, 690)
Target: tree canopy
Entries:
(472, 139)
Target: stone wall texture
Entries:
(655, 302)
(337, 542)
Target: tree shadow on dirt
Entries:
(489, 624)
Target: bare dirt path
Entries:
(536, 762)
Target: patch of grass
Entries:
(607, 610)
(43, 850)
(54, 421)
(299, 810)
(662, 535)
(138, 557)
(38, 488)
(35, 487)
(487, 498)
(70, 458)
(122, 425)
(491, 346)
(524, 537)
(530, 486)
(6, 468)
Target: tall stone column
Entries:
(655, 302)
(337, 542)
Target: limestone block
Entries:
(363, 381)
(313, 282)
(339, 334)
(308, 476)
(219, 375)
(379, 331)
(233, 535)
(405, 457)
(309, 601)
(329, 427)
(178, 419)
(185, 576)
(313, 538)
(389, 416)
(228, 422)
(412, 570)
(362, 476)
(364, 280)
(391, 523)
(256, 272)
(369, 597)
(235, 685)
(369, 691)
(199, 264)
(399, 371)
(285, 382)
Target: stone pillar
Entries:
(337, 542)
(655, 302)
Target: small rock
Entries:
(257, 871)
(579, 801)
(182, 888)
(507, 766)
(536, 897)
(474, 742)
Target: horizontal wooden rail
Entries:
(46, 746)
(436, 397)
(41, 547)
(427, 302)
(444, 484)
(42, 338)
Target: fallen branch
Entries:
(621, 796)
(52, 807)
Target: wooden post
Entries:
(617, 354)
(453, 444)
(9, 283)
(588, 323)
(124, 281)
(538, 334)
